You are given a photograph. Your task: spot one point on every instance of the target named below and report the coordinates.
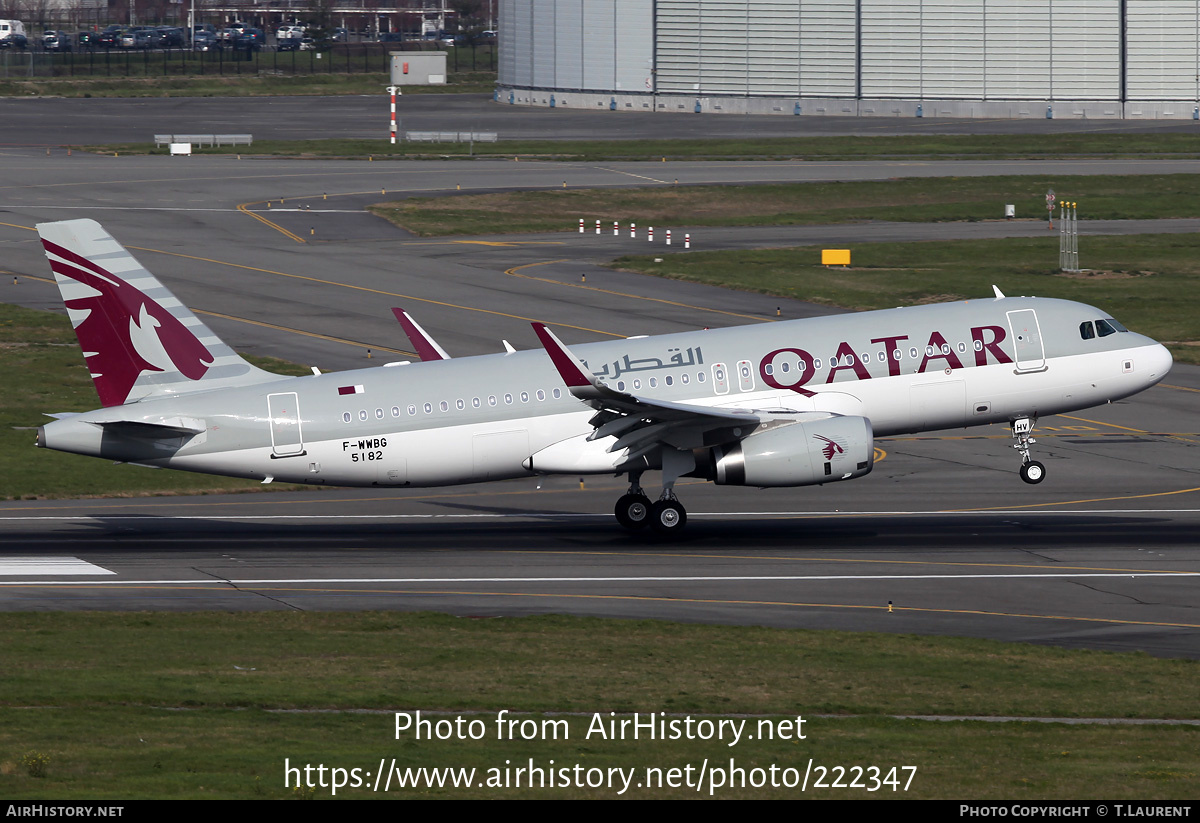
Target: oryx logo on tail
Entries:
(123, 332)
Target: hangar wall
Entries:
(1095, 58)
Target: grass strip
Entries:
(231, 85)
(1148, 282)
(44, 372)
(917, 199)
(185, 705)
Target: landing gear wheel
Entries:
(1033, 472)
(668, 517)
(633, 511)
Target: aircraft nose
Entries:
(1154, 363)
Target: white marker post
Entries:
(597, 227)
(650, 234)
(393, 91)
(687, 240)
(616, 228)
(581, 225)
(668, 237)
(633, 231)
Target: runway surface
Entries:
(1104, 554)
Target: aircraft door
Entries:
(283, 410)
(720, 378)
(1027, 340)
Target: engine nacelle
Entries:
(798, 454)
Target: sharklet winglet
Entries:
(568, 365)
(427, 348)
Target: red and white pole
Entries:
(633, 231)
(687, 240)
(597, 227)
(581, 225)
(650, 235)
(393, 91)
(616, 228)
(668, 237)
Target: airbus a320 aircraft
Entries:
(778, 404)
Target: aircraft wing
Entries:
(640, 423)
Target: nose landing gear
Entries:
(1032, 471)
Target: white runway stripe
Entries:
(12, 566)
(413, 581)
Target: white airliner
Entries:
(777, 404)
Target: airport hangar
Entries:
(1091, 59)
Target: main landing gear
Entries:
(634, 511)
(1031, 470)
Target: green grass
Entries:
(973, 147)
(1109, 197)
(184, 705)
(43, 372)
(1148, 282)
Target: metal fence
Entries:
(342, 58)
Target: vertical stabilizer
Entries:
(138, 340)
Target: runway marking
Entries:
(513, 273)
(631, 174)
(1099, 423)
(243, 208)
(648, 579)
(11, 566)
(1091, 500)
(1177, 388)
(370, 346)
(373, 291)
(648, 599)
(529, 515)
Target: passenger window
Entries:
(1086, 330)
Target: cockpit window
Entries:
(1104, 327)
(1086, 330)
(1115, 324)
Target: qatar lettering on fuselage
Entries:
(985, 344)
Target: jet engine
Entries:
(796, 454)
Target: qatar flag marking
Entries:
(351, 390)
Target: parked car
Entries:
(289, 32)
(250, 39)
(12, 35)
(56, 41)
(167, 37)
(340, 35)
(288, 44)
(110, 38)
(205, 41)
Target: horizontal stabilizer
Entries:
(170, 427)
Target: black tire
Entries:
(668, 517)
(633, 511)
(1033, 472)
